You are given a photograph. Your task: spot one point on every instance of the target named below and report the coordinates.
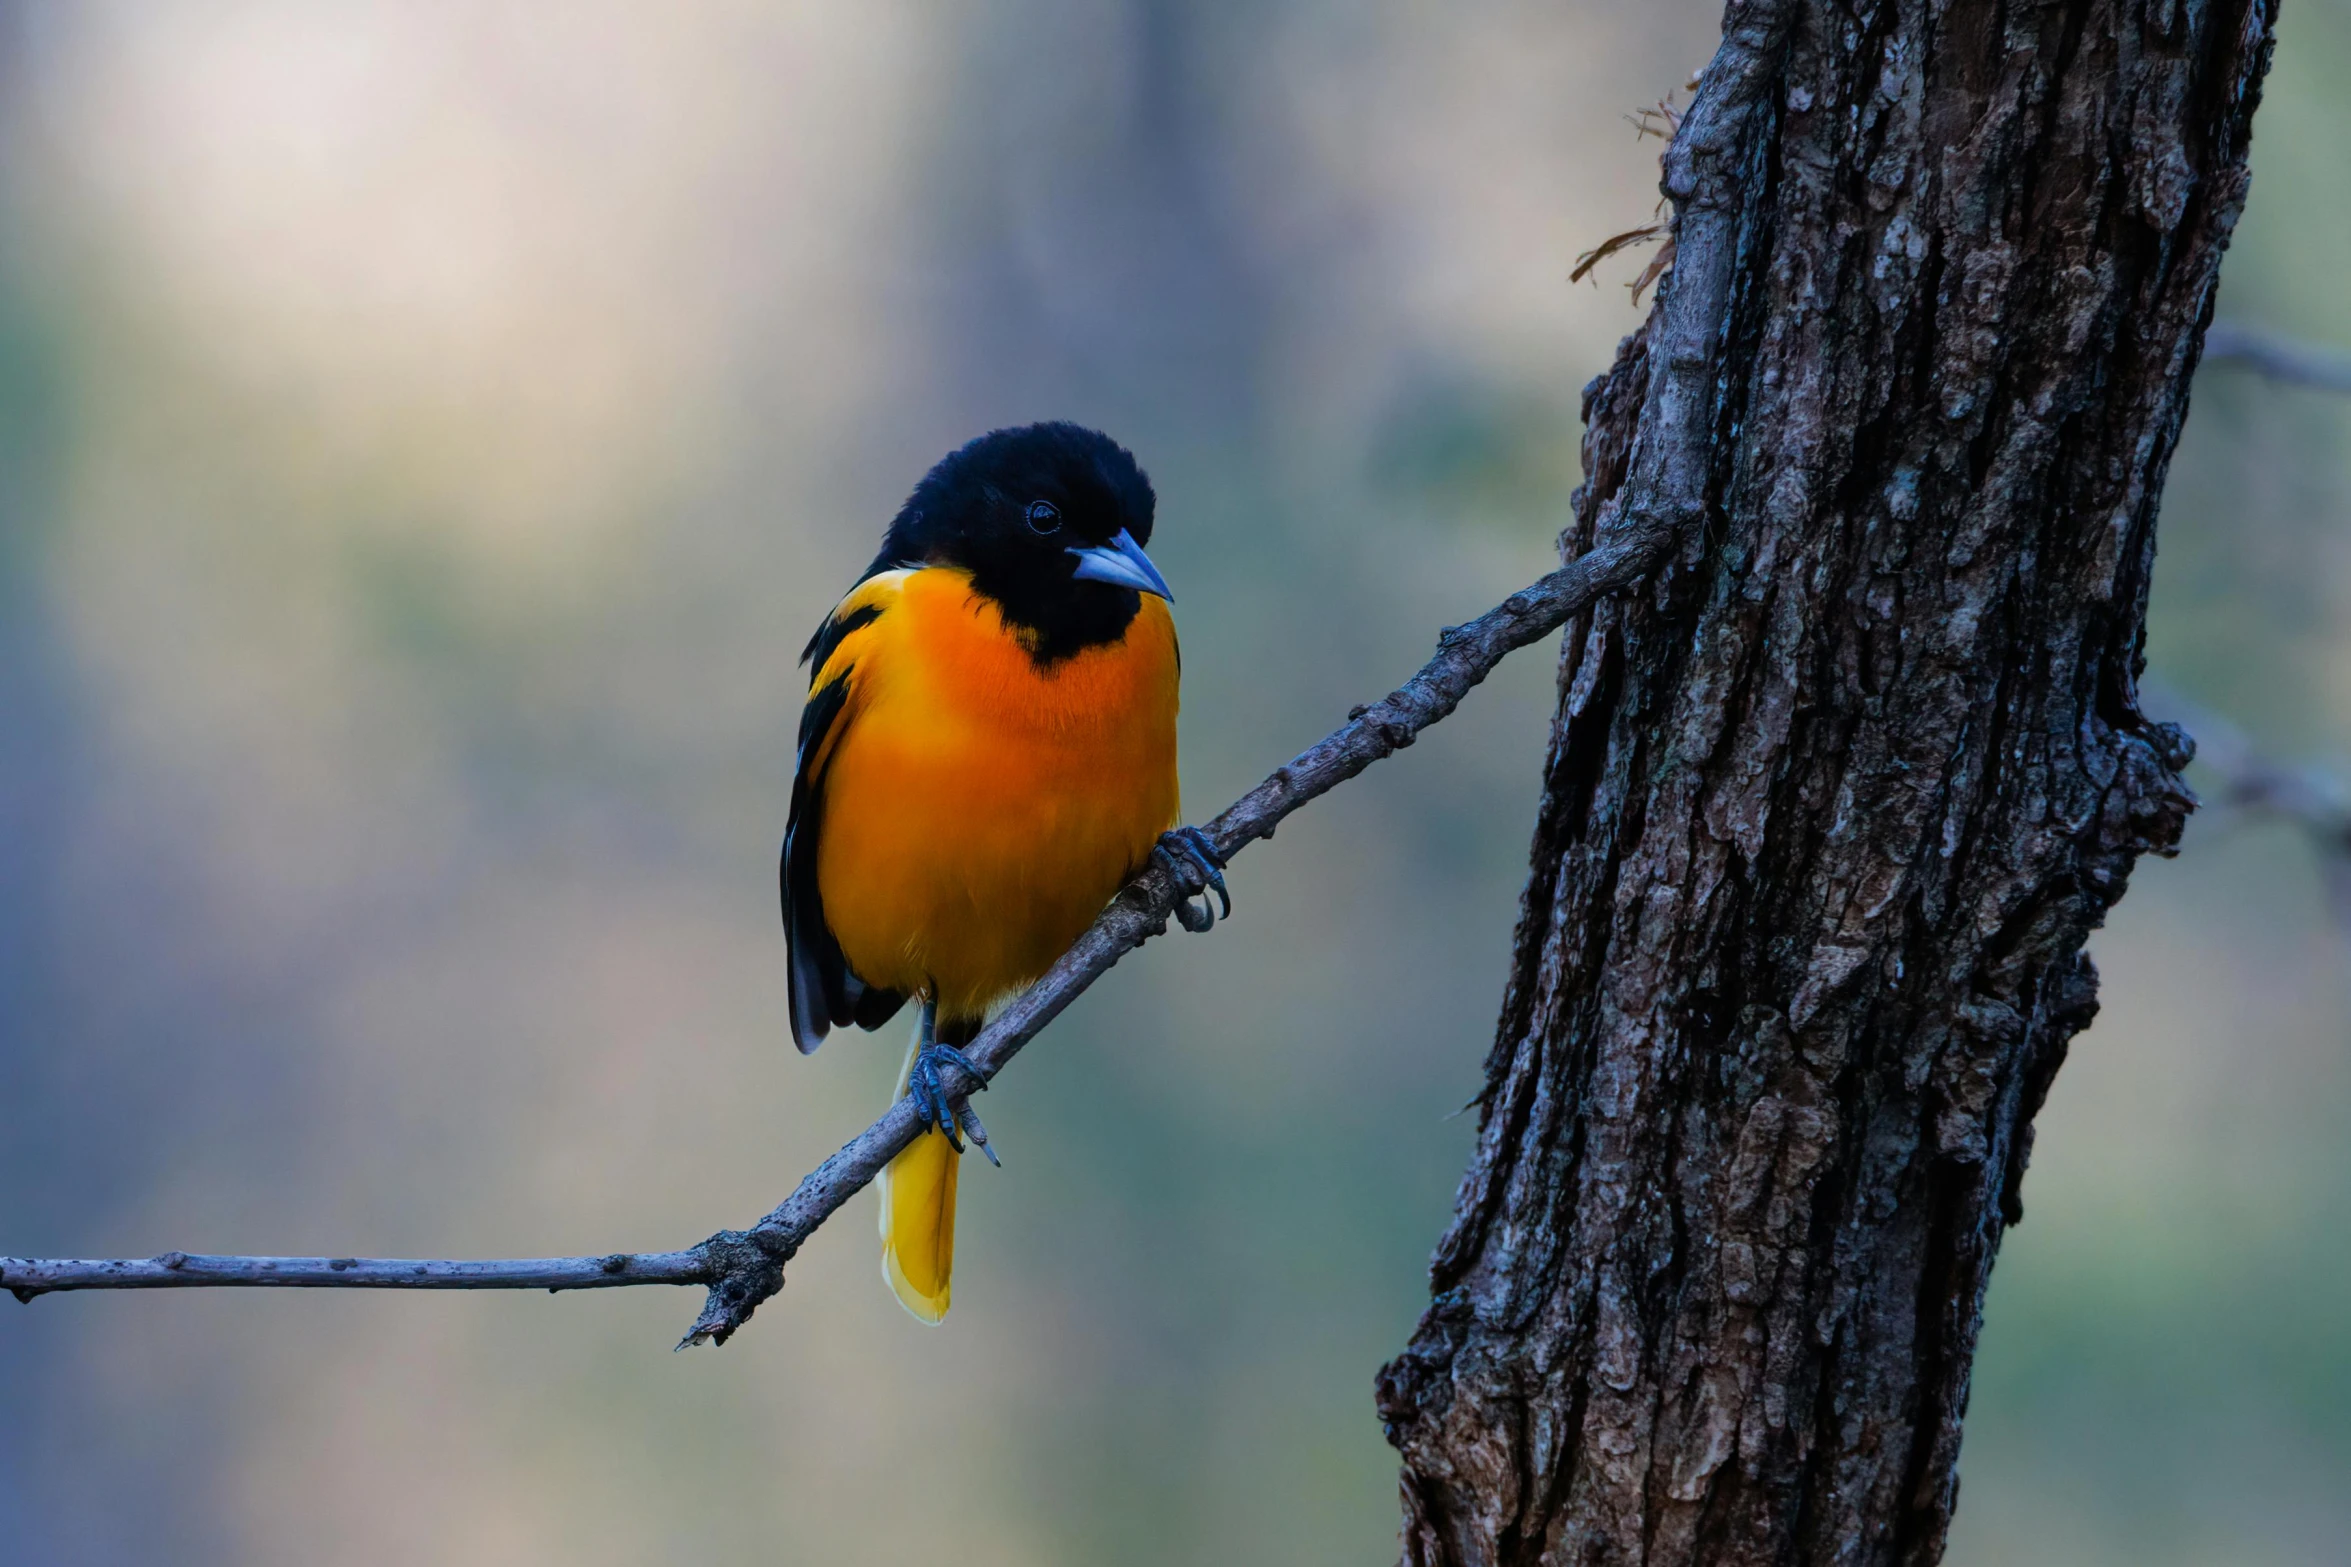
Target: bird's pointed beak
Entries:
(1123, 563)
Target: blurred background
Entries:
(427, 435)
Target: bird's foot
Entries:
(1198, 869)
(943, 1111)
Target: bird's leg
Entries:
(1197, 868)
(940, 1110)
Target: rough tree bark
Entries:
(1831, 809)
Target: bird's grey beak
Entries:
(1123, 563)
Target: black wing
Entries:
(825, 994)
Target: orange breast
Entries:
(978, 810)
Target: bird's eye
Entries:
(1044, 517)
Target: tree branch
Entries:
(2253, 784)
(180, 1270)
(2278, 358)
(742, 1268)
(1663, 500)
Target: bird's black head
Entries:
(1050, 520)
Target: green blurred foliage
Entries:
(426, 438)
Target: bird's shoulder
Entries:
(834, 647)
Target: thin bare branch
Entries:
(742, 1268)
(1662, 501)
(180, 1270)
(2278, 358)
(2251, 784)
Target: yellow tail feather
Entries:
(918, 1219)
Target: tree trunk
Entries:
(1832, 806)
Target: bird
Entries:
(986, 755)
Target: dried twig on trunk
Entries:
(1663, 121)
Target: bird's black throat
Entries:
(1058, 620)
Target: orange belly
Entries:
(980, 810)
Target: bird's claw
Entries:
(1191, 858)
(945, 1113)
(976, 1132)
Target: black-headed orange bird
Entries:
(987, 755)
